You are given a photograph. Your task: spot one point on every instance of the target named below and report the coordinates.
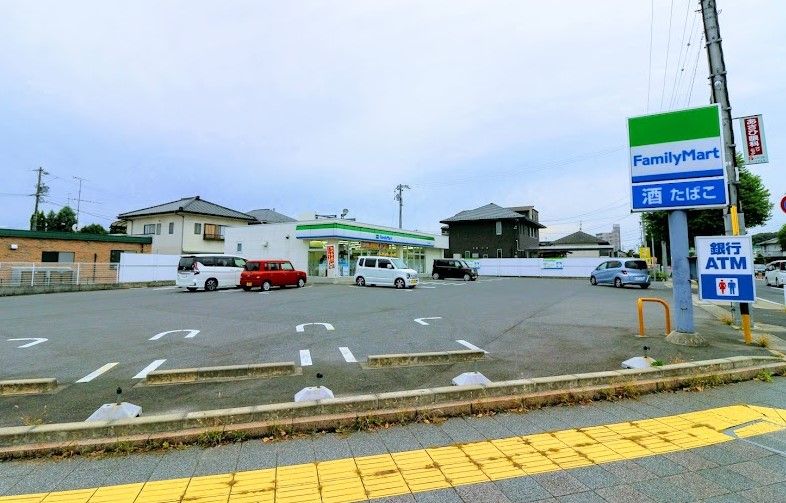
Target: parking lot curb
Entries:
(430, 358)
(229, 372)
(401, 406)
(27, 386)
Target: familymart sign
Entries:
(677, 160)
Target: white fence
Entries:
(142, 267)
(20, 274)
(538, 267)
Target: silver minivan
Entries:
(388, 271)
(209, 271)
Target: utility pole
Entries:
(78, 200)
(399, 197)
(720, 95)
(40, 190)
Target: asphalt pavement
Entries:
(95, 342)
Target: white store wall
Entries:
(268, 241)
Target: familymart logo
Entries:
(676, 158)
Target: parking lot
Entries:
(95, 342)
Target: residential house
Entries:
(770, 249)
(493, 231)
(18, 245)
(578, 244)
(189, 225)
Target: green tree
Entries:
(38, 221)
(63, 221)
(93, 229)
(50, 221)
(762, 237)
(782, 237)
(754, 199)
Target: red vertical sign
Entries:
(752, 129)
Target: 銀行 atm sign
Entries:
(725, 267)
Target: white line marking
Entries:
(347, 354)
(420, 320)
(770, 301)
(143, 373)
(305, 357)
(301, 327)
(470, 346)
(36, 340)
(421, 286)
(92, 375)
(191, 334)
(264, 293)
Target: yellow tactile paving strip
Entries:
(369, 477)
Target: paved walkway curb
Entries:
(229, 372)
(416, 359)
(27, 441)
(27, 386)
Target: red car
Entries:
(268, 273)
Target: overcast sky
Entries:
(318, 106)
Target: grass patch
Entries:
(657, 363)
(763, 341)
(764, 376)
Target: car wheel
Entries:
(360, 281)
(467, 277)
(211, 285)
(301, 283)
(644, 287)
(435, 275)
(266, 286)
(399, 283)
(246, 288)
(617, 282)
(593, 281)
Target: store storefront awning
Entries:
(361, 232)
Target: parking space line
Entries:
(347, 354)
(305, 357)
(770, 301)
(92, 375)
(143, 373)
(470, 346)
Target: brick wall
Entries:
(30, 249)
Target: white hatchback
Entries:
(209, 271)
(386, 271)
(775, 273)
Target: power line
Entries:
(649, 76)
(668, 49)
(695, 66)
(683, 49)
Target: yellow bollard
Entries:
(640, 308)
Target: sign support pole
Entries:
(680, 270)
(720, 95)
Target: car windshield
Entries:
(400, 264)
(185, 264)
(636, 264)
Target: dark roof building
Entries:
(578, 244)
(268, 216)
(493, 231)
(193, 205)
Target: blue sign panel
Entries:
(725, 266)
(666, 195)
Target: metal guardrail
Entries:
(640, 308)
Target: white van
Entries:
(775, 273)
(384, 271)
(209, 271)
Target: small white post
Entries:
(32, 277)
(78, 269)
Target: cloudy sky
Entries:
(318, 106)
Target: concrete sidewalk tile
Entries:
(487, 493)
(459, 430)
(366, 443)
(18, 468)
(398, 440)
(490, 427)
(134, 468)
(522, 489)
(404, 498)
(758, 472)
(629, 471)
(729, 453)
(775, 463)
(585, 497)
(46, 476)
(6, 483)
(255, 454)
(518, 423)
(595, 477)
(729, 479)
(176, 464)
(694, 485)
(439, 496)
(622, 494)
(560, 483)
(329, 447)
(219, 459)
(660, 465)
(727, 498)
(295, 452)
(660, 490)
(91, 473)
(770, 493)
(690, 461)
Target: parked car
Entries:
(619, 273)
(775, 273)
(269, 273)
(453, 268)
(209, 271)
(385, 271)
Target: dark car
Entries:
(453, 268)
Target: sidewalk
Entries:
(665, 447)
